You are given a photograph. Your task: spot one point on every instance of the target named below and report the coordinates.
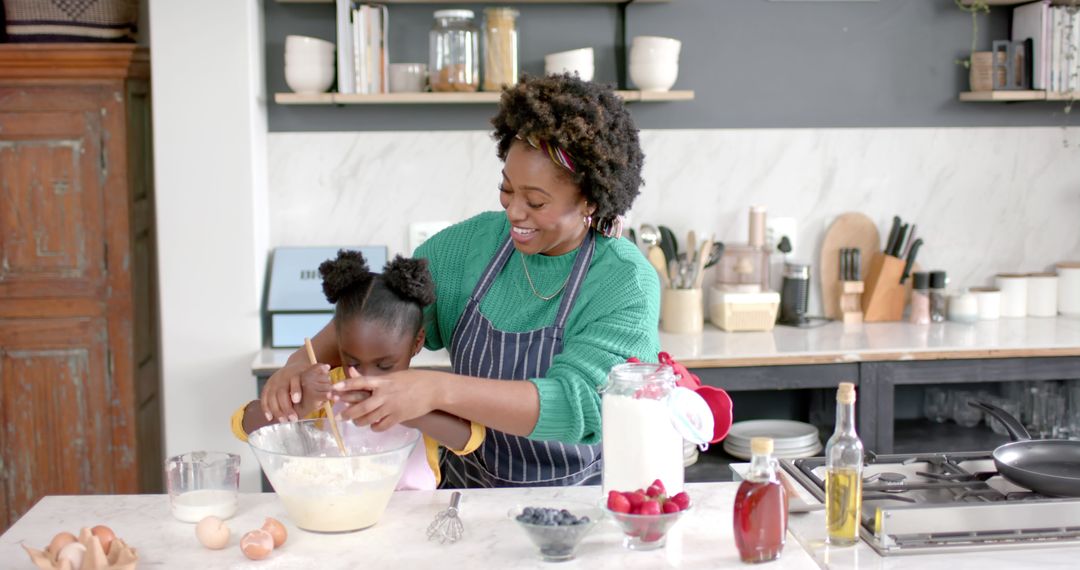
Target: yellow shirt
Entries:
(431, 447)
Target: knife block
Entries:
(884, 299)
(851, 301)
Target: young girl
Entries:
(378, 319)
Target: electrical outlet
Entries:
(419, 232)
(778, 227)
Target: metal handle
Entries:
(455, 500)
(1012, 425)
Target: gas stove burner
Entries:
(888, 481)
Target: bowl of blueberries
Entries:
(557, 528)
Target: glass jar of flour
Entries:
(641, 443)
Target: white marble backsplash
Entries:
(986, 200)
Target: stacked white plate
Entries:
(790, 439)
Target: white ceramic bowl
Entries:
(668, 46)
(309, 78)
(408, 77)
(577, 55)
(654, 77)
(310, 59)
(652, 55)
(585, 72)
(297, 44)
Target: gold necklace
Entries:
(533, 287)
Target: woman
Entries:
(535, 293)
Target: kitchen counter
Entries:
(703, 539)
(830, 343)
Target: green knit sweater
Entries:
(615, 315)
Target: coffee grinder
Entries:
(795, 294)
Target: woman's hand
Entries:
(385, 401)
(295, 391)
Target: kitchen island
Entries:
(702, 539)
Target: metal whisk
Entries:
(447, 526)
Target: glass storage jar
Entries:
(500, 48)
(640, 442)
(454, 40)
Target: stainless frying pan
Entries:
(1046, 466)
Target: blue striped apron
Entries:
(478, 349)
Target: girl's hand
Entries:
(295, 391)
(385, 401)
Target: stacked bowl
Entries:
(790, 439)
(576, 61)
(309, 64)
(654, 62)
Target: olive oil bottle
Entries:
(843, 472)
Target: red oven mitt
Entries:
(717, 399)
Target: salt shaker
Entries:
(920, 299)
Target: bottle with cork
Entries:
(761, 507)
(843, 472)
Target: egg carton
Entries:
(120, 557)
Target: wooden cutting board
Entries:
(851, 229)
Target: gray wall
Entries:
(752, 64)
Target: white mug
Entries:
(1069, 288)
(1042, 295)
(1014, 296)
(989, 302)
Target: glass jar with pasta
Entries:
(500, 48)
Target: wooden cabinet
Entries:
(79, 376)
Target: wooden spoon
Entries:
(702, 259)
(327, 408)
(656, 258)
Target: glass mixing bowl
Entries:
(322, 490)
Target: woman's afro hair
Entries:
(590, 122)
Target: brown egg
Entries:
(58, 542)
(212, 533)
(257, 544)
(105, 535)
(73, 553)
(276, 530)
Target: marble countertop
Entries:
(833, 342)
(703, 539)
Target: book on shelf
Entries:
(370, 23)
(346, 80)
(1055, 35)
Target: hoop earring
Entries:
(588, 221)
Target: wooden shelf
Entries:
(1003, 2)
(487, 97)
(458, 2)
(1010, 96)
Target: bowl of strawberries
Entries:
(646, 516)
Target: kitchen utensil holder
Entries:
(681, 311)
(884, 297)
(851, 301)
